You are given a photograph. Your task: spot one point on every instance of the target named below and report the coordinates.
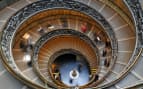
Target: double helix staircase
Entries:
(127, 70)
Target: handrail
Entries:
(22, 15)
(123, 74)
(70, 16)
(137, 15)
(57, 33)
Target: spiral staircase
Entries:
(107, 33)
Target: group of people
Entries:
(26, 47)
(106, 51)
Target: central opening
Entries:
(72, 69)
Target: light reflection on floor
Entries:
(67, 63)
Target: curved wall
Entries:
(7, 81)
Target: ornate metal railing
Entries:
(137, 14)
(19, 17)
(136, 11)
(60, 32)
